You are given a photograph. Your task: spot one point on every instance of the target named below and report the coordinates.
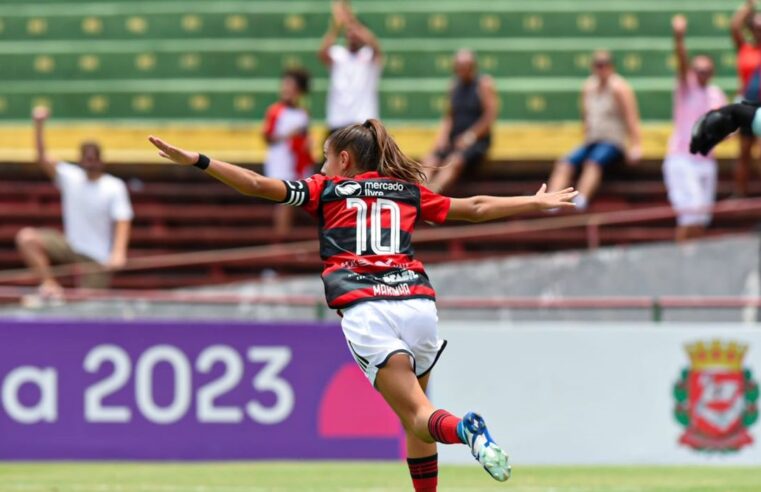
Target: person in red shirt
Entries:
(367, 201)
(286, 131)
(749, 73)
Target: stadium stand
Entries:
(202, 74)
(219, 62)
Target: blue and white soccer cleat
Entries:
(473, 432)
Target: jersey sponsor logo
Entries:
(380, 188)
(399, 277)
(716, 398)
(348, 188)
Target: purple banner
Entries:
(166, 390)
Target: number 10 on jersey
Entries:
(376, 226)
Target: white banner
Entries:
(606, 393)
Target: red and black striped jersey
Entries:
(366, 224)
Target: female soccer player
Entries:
(367, 201)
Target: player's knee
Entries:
(27, 237)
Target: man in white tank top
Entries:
(355, 70)
(611, 124)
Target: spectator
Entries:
(96, 218)
(465, 133)
(691, 179)
(749, 73)
(610, 115)
(286, 130)
(354, 70)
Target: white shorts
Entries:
(691, 185)
(376, 330)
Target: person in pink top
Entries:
(691, 179)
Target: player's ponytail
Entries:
(374, 149)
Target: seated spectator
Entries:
(691, 178)
(96, 217)
(610, 117)
(286, 130)
(355, 70)
(464, 136)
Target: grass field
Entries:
(361, 476)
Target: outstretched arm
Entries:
(679, 26)
(240, 179)
(337, 23)
(483, 208)
(365, 34)
(40, 114)
(738, 22)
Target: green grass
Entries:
(361, 476)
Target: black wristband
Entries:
(203, 162)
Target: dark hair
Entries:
(301, 77)
(373, 149)
(90, 145)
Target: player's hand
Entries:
(679, 25)
(40, 113)
(174, 154)
(555, 199)
(716, 125)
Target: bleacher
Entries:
(201, 73)
(147, 63)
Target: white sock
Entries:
(581, 202)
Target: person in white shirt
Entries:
(97, 214)
(355, 70)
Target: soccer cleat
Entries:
(473, 432)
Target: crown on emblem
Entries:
(716, 355)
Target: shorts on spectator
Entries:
(691, 185)
(473, 155)
(60, 252)
(601, 153)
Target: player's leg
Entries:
(422, 459)
(35, 247)
(399, 387)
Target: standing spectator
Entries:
(464, 136)
(610, 115)
(355, 69)
(286, 130)
(96, 217)
(691, 179)
(749, 73)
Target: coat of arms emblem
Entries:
(716, 397)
